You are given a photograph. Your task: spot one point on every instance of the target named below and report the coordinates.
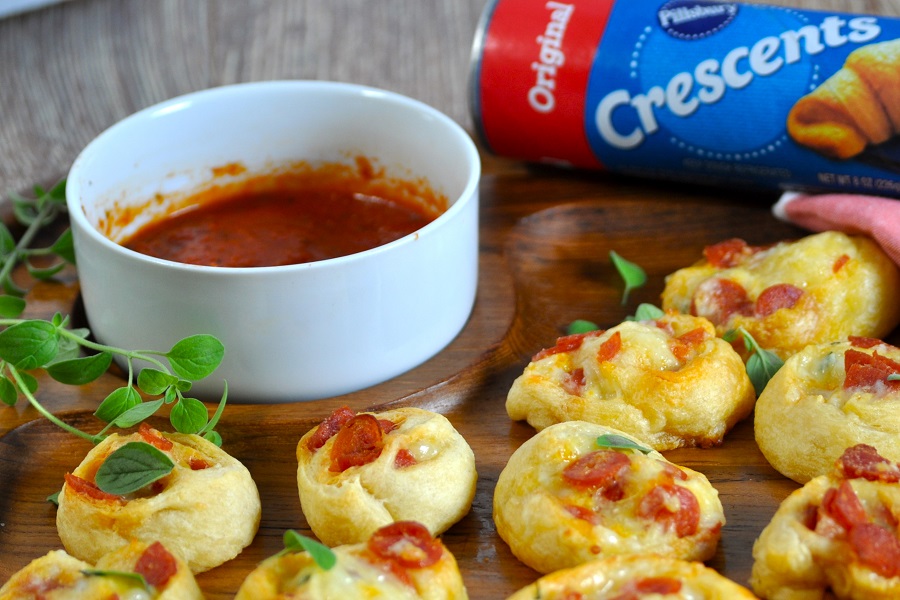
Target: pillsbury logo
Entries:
(694, 19)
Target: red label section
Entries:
(535, 60)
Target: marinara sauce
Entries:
(287, 220)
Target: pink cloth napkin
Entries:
(875, 216)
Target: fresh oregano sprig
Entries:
(34, 214)
(762, 364)
(26, 345)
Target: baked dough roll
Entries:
(206, 510)
(579, 491)
(59, 576)
(635, 578)
(838, 532)
(670, 382)
(401, 561)
(820, 288)
(826, 398)
(358, 472)
(854, 108)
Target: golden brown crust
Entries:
(347, 507)
(849, 287)
(659, 388)
(806, 549)
(356, 575)
(612, 577)
(855, 107)
(805, 418)
(205, 516)
(59, 576)
(551, 523)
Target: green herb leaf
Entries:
(633, 276)
(54, 498)
(322, 554)
(154, 381)
(189, 416)
(131, 467)
(8, 393)
(196, 357)
(581, 326)
(30, 381)
(7, 241)
(647, 312)
(618, 442)
(136, 577)
(29, 344)
(64, 247)
(135, 415)
(11, 306)
(762, 364)
(894, 377)
(213, 437)
(79, 371)
(45, 273)
(117, 403)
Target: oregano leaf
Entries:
(189, 415)
(79, 371)
(154, 381)
(8, 393)
(323, 556)
(136, 577)
(196, 356)
(117, 403)
(136, 414)
(580, 326)
(633, 275)
(11, 306)
(132, 466)
(647, 312)
(29, 344)
(613, 441)
(64, 247)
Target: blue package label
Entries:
(731, 93)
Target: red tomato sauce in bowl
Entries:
(299, 215)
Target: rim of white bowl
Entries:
(468, 194)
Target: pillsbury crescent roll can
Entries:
(722, 93)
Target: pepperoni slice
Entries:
(649, 585)
(867, 372)
(684, 344)
(842, 260)
(728, 253)
(599, 470)
(844, 506)
(198, 464)
(776, 297)
(863, 462)
(157, 565)
(568, 343)
(659, 504)
(585, 514)
(877, 548)
(329, 427)
(718, 299)
(610, 347)
(407, 543)
(154, 437)
(404, 458)
(863, 342)
(573, 383)
(358, 442)
(90, 489)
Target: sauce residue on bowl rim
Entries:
(374, 210)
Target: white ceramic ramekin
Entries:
(297, 332)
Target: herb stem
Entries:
(47, 212)
(20, 383)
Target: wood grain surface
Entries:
(69, 71)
